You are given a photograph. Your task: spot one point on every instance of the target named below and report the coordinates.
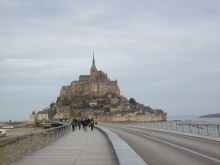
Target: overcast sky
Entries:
(165, 54)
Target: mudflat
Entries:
(20, 131)
(20, 128)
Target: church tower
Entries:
(93, 69)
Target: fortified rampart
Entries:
(150, 117)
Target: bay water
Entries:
(193, 118)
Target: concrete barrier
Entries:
(126, 155)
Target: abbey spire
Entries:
(93, 61)
(93, 69)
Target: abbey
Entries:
(95, 84)
(95, 95)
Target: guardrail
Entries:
(16, 147)
(206, 129)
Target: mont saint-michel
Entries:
(95, 84)
(96, 95)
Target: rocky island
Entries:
(95, 95)
(216, 115)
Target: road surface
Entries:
(161, 148)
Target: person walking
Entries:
(73, 123)
(86, 123)
(92, 124)
(83, 123)
(79, 123)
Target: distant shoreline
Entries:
(217, 115)
(194, 118)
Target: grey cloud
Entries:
(169, 48)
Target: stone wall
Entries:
(64, 110)
(150, 117)
(97, 88)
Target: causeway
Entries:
(75, 148)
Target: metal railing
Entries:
(207, 129)
(16, 147)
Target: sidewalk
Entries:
(76, 148)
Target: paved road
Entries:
(158, 148)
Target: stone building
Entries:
(39, 117)
(95, 84)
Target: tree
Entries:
(52, 104)
(51, 113)
(132, 101)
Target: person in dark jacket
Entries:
(86, 123)
(83, 123)
(79, 122)
(92, 124)
(73, 123)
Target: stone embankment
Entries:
(150, 117)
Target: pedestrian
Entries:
(92, 124)
(86, 123)
(73, 124)
(83, 123)
(79, 123)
